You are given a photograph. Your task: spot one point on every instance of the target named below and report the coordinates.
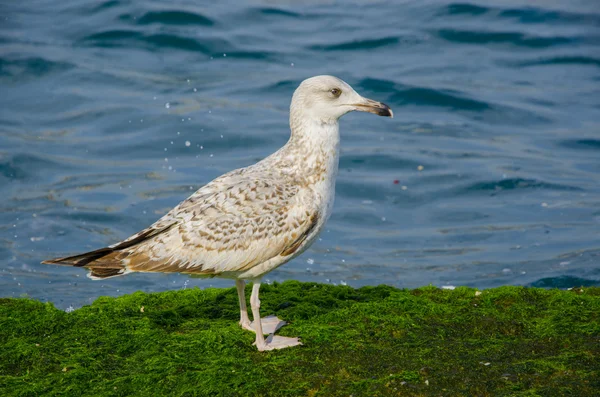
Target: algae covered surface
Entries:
(372, 341)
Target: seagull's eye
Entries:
(336, 92)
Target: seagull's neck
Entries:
(313, 148)
(313, 135)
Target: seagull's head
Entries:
(327, 98)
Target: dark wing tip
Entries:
(99, 272)
(55, 261)
(81, 259)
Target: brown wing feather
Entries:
(291, 248)
(233, 224)
(107, 257)
(81, 259)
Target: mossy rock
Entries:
(372, 341)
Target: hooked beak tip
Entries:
(378, 108)
(388, 112)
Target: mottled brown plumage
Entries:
(249, 221)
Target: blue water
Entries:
(488, 175)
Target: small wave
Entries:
(455, 217)
(282, 87)
(175, 41)
(255, 55)
(26, 166)
(277, 12)
(377, 161)
(34, 67)
(86, 218)
(514, 38)
(106, 5)
(11, 172)
(111, 38)
(538, 15)
(517, 184)
(174, 17)
(581, 144)
(564, 282)
(432, 97)
(125, 38)
(376, 85)
(83, 182)
(465, 9)
(164, 41)
(350, 187)
(562, 60)
(356, 44)
(525, 15)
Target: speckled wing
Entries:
(234, 223)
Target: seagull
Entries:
(252, 220)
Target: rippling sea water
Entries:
(111, 112)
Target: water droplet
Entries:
(187, 143)
(195, 90)
(310, 261)
(167, 105)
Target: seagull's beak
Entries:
(378, 108)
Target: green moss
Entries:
(372, 341)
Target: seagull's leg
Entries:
(272, 342)
(255, 305)
(241, 290)
(270, 324)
